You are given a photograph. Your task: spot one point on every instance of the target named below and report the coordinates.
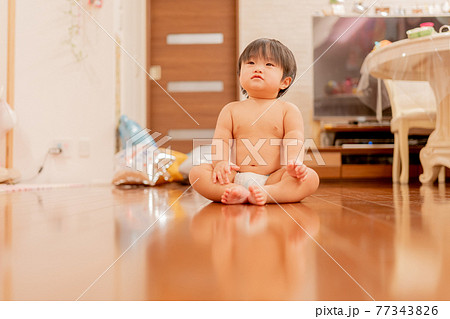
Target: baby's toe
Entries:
(225, 195)
(257, 196)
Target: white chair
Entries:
(413, 112)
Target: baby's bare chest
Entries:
(266, 126)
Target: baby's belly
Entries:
(264, 160)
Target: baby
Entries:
(257, 144)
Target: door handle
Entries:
(155, 72)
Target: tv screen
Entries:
(340, 46)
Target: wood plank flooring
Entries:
(352, 240)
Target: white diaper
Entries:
(248, 178)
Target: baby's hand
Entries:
(221, 172)
(297, 169)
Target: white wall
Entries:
(3, 53)
(3, 40)
(132, 29)
(58, 97)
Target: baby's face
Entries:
(262, 78)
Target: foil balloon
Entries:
(130, 131)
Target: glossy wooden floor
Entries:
(350, 241)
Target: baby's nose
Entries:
(258, 68)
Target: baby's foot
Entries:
(257, 195)
(235, 195)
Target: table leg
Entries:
(437, 151)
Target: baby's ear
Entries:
(285, 83)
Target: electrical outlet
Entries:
(61, 144)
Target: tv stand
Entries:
(362, 133)
(358, 162)
(358, 159)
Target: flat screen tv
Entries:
(340, 46)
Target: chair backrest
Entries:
(408, 96)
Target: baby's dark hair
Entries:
(274, 49)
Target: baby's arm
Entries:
(221, 148)
(293, 142)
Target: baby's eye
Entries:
(250, 62)
(270, 64)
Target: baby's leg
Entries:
(201, 180)
(284, 188)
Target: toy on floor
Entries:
(141, 162)
(130, 131)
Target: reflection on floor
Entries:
(349, 241)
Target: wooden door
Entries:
(192, 53)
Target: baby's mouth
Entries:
(257, 77)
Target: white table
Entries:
(421, 59)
